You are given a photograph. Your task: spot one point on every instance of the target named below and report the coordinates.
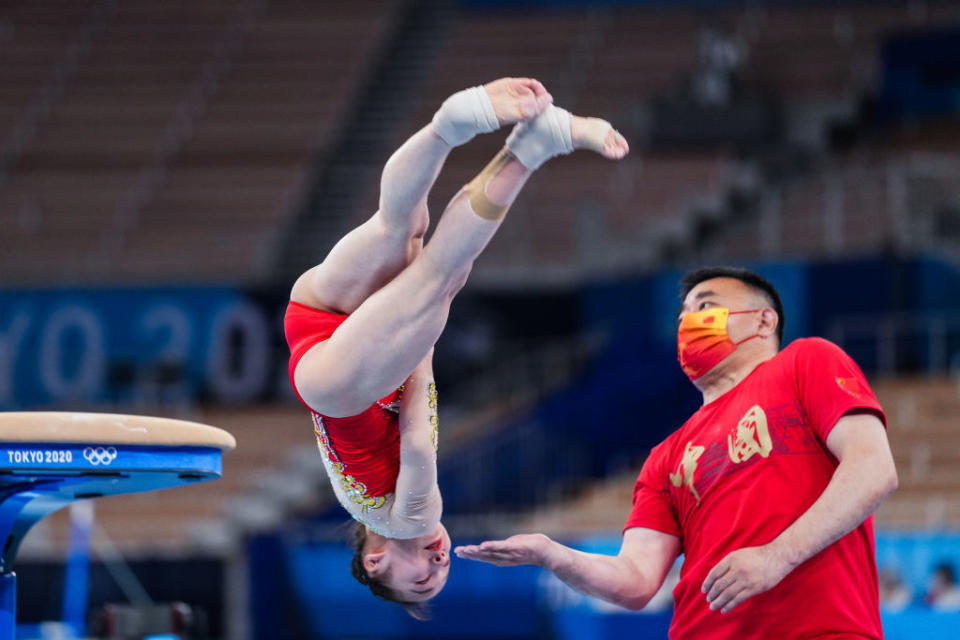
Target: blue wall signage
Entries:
(61, 346)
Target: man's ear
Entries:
(768, 322)
(373, 562)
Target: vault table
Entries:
(50, 459)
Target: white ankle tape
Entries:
(535, 141)
(464, 115)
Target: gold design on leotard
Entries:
(394, 406)
(355, 490)
(750, 436)
(434, 419)
(687, 467)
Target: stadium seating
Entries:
(173, 144)
(926, 446)
(852, 206)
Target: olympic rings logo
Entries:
(100, 455)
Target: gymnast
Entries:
(361, 325)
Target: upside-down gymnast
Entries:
(362, 324)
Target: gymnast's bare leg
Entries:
(375, 252)
(398, 294)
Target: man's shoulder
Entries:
(809, 348)
(678, 438)
(665, 447)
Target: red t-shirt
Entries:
(365, 448)
(741, 470)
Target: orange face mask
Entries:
(702, 340)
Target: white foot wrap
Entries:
(464, 115)
(535, 141)
(595, 134)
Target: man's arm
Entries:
(629, 579)
(864, 477)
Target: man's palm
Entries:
(525, 548)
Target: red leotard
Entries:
(364, 449)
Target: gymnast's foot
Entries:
(556, 132)
(598, 135)
(484, 109)
(517, 99)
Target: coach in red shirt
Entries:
(767, 490)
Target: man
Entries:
(768, 489)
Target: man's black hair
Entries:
(749, 278)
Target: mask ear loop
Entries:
(756, 335)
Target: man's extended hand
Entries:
(742, 574)
(526, 548)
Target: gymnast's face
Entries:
(416, 569)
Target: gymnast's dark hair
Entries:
(753, 280)
(358, 537)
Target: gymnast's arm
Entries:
(628, 579)
(417, 496)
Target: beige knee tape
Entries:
(477, 189)
(595, 134)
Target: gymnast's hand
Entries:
(526, 548)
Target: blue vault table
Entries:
(50, 459)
